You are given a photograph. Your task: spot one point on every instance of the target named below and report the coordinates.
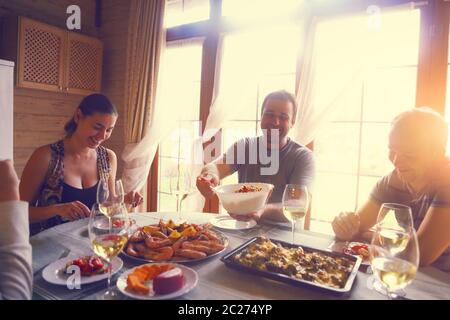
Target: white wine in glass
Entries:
(109, 245)
(393, 268)
(294, 213)
(110, 201)
(295, 205)
(107, 241)
(394, 222)
(394, 273)
(395, 240)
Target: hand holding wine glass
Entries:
(295, 204)
(108, 235)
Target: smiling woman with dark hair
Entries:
(60, 180)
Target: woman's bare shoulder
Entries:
(41, 156)
(111, 154)
(36, 167)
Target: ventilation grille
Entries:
(83, 65)
(42, 56)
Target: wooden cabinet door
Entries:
(84, 64)
(40, 55)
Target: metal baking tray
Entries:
(229, 261)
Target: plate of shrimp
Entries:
(169, 241)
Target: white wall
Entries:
(6, 109)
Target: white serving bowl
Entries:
(243, 203)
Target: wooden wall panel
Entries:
(114, 31)
(39, 116)
(52, 12)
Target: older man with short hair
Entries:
(420, 180)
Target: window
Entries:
(251, 10)
(351, 152)
(179, 12)
(268, 57)
(181, 93)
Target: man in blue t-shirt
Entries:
(272, 158)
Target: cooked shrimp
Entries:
(159, 254)
(208, 243)
(154, 242)
(189, 253)
(178, 243)
(150, 228)
(137, 236)
(158, 234)
(210, 235)
(131, 250)
(202, 248)
(140, 247)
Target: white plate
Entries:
(103, 224)
(54, 272)
(340, 246)
(190, 281)
(175, 259)
(228, 223)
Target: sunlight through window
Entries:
(180, 12)
(380, 66)
(254, 64)
(248, 10)
(180, 91)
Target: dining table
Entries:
(216, 281)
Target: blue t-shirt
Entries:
(254, 162)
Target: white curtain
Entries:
(332, 70)
(244, 59)
(169, 126)
(316, 108)
(334, 67)
(138, 156)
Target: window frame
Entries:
(431, 68)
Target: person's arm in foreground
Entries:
(16, 275)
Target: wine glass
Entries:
(110, 201)
(180, 184)
(393, 268)
(295, 205)
(394, 222)
(108, 235)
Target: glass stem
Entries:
(393, 295)
(302, 223)
(178, 206)
(390, 295)
(293, 231)
(109, 273)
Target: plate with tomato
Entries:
(89, 268)
(353, 248)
